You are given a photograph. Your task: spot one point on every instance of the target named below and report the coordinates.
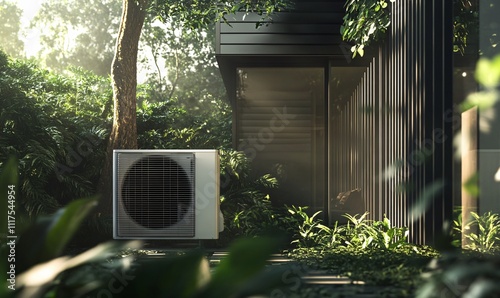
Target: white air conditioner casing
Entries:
(166, 194)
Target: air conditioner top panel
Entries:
(162, 150)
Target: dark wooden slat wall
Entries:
(310, 28)
(391, 139)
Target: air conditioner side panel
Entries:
(207, 202)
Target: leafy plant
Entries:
(163, 125)
(465, 21)
(247, 209)
(389, 237)
(358, 234)
(488, 237)
(186, 275)
(462, 275)
(456, 231)
(365, 21)
(52, 125)
(311, 231)
(488, 75)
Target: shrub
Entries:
(246, 207)
(39, 126)
(487, 238)
(169, 125)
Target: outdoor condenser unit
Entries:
(166, 194)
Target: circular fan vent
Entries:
(156, 192)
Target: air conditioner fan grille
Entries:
(157, 192)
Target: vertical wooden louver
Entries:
(391, 138)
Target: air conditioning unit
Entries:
(166, 194)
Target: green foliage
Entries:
(76, 33)
(383, 273)
(462, 275)
(166, 125)
(42, 269)
(247, 208)
(311, 231)
(184, 65)
(49, 235)
(487, 238)
(200, 13)
(365, 21)
(456, 231)
(358, 234)
(41, 241)
(247, 257)
(488, 72)
(488, 75)
(189, 275)
(67, 222)
(473, 271)
(10, 27)
(465, 22)
(55, 126)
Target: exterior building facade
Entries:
(373, 133)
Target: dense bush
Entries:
(54, 127)
(245, 200)
(168, 125)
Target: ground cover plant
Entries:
(379, 255)
(374, 252)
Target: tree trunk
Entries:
(124, 83)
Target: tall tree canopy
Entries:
(78, 33)
(179, 63)
(190, 13)
(10, 28)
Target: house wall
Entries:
(390, 134)
(291, 33)
(393, 138)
